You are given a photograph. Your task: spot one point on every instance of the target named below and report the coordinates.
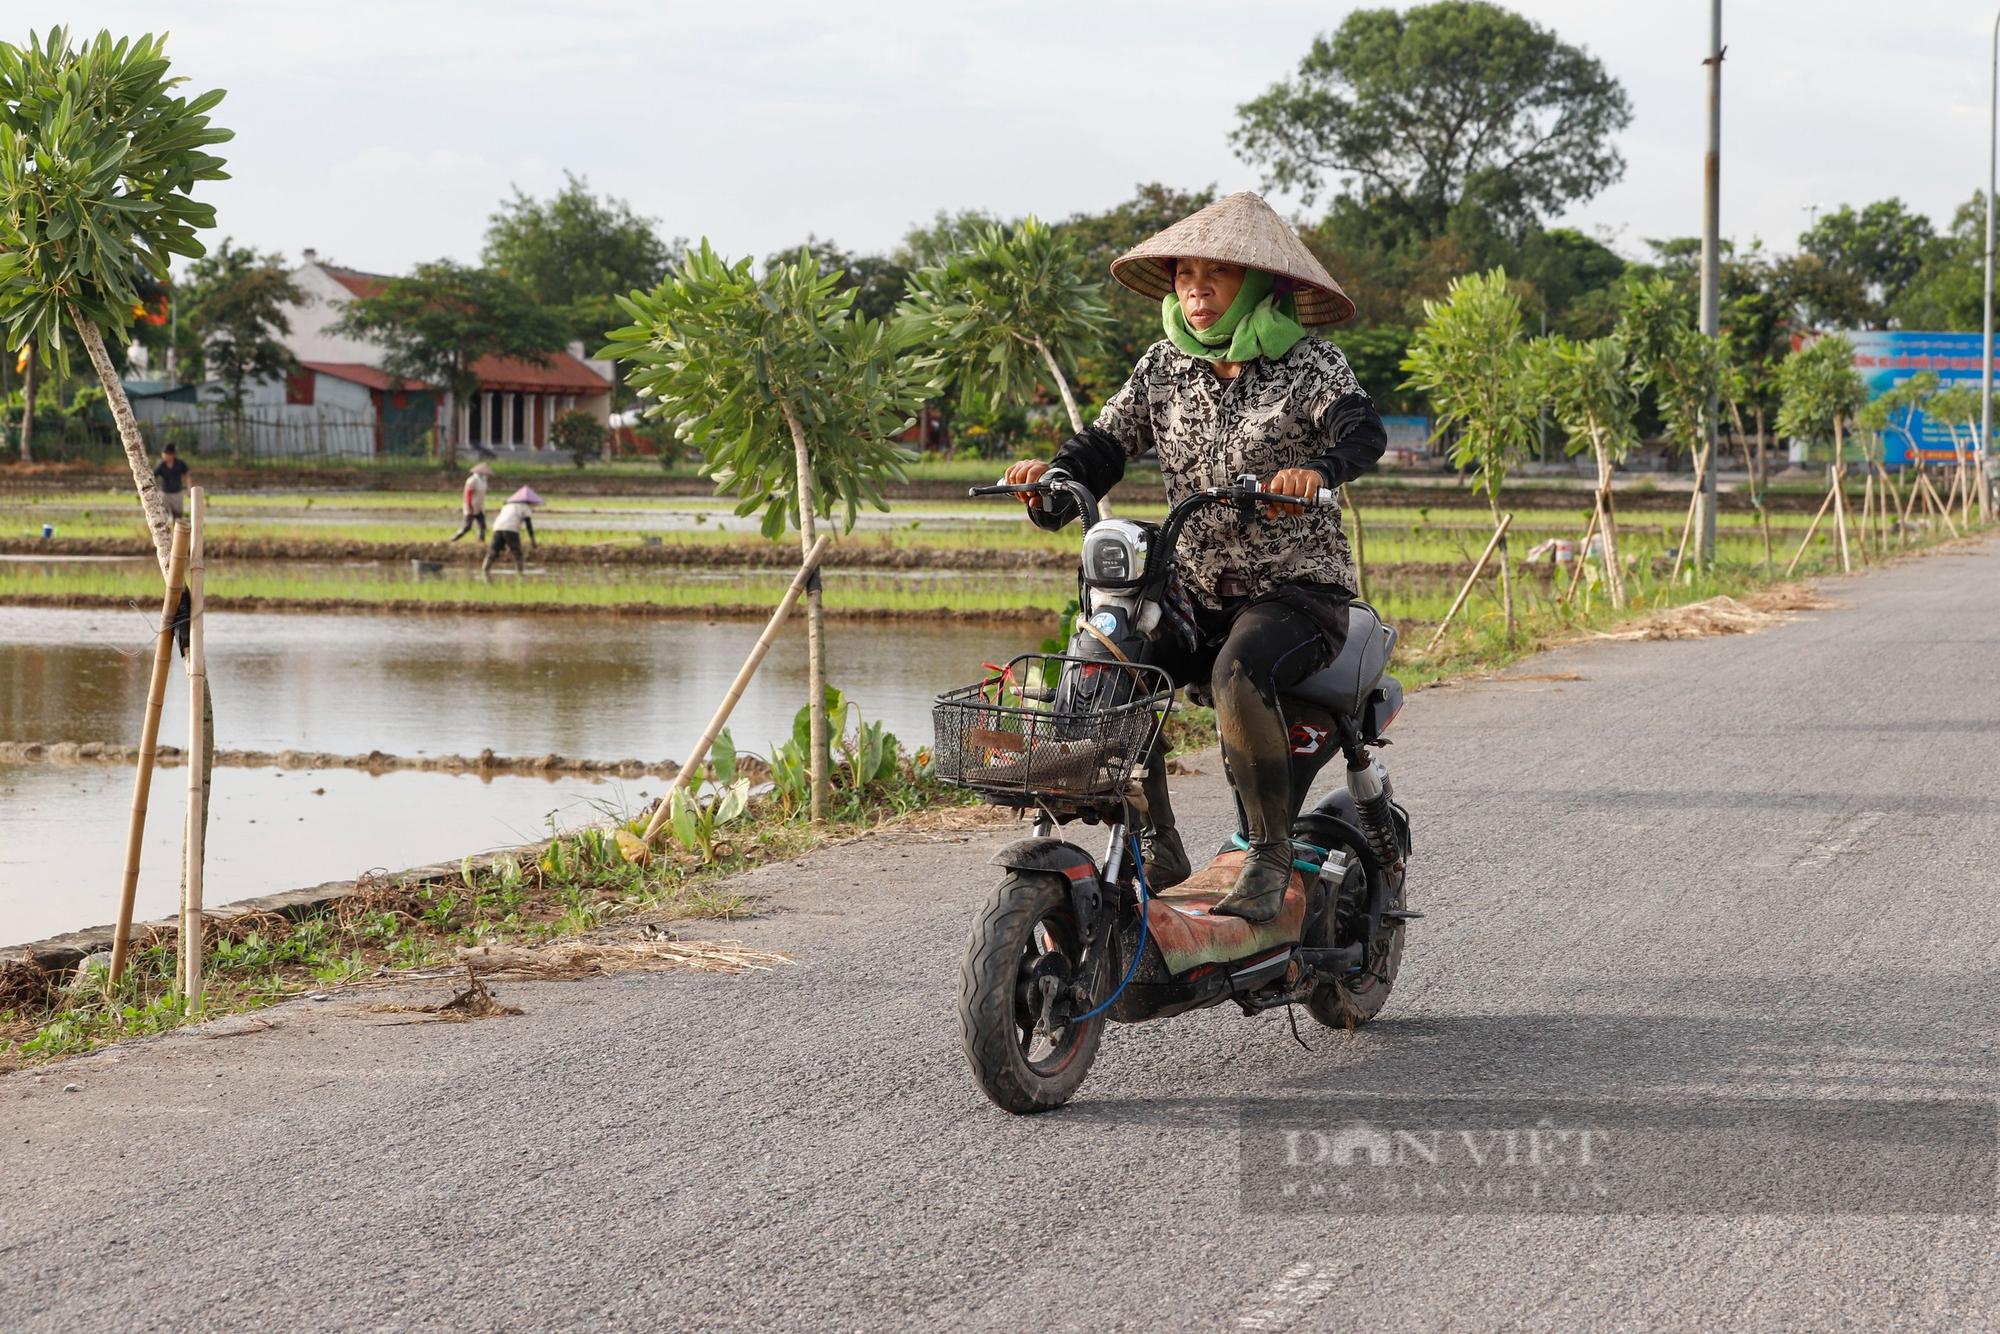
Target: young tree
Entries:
(792, 398)
(1821, 392)
(1683, 367)
(98, 158)
(1439, 108)
(437, 323)
(1470, 360)
(1589, 393)
(576, 252)
(233, 313)
(1008, 309)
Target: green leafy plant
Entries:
(1589, 394)
(99, 156)
(1012, 308)
(793, 399)
(581, 434)
(1470, 360)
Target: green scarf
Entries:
(1257, 324)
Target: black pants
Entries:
(1250, 654)
(475, 516)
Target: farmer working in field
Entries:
(514, 516)
(1237, 386)
(475, 500)
(172, 474)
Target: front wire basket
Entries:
(1050, 728)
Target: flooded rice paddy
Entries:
(407, 685)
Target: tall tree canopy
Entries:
(576, 252)
(1447, 106)
(1881, 249)
(235, 306)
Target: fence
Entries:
(291, 433)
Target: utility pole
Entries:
(1711, 272)
(1986, 467)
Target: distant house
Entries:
(517, 402)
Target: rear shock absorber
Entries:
(1368, 781)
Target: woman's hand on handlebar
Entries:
(1025, 473)
(1302, 482)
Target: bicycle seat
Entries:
(1189, 935)
(1343, 686)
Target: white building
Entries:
(517, 403)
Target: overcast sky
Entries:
(384, 134)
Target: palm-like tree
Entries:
(1010, 311)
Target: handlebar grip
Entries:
(1001, 489)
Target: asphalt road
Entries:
(1749, 867)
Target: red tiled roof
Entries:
(563, 375)
(355, 281)
(355, 372)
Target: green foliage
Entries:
(1100, 238)
(876, 281)
(866, 756)
(1821, 390)
(734, 359)
(235, 307)
(1880, 250)
(1589, 393)
(1670, 356)
(1470, 360)
(1010, 312)
(575, 252)
(98, 158)
(434, 324)
(1444, 107)
(581, 434)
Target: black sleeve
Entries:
(1356, 440)
(1095, 458)
(528, 522)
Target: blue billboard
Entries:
(1887, 357)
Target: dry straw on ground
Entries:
(1723, 615)
(591, 958)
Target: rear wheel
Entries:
(1026, 949)
(1359, 997)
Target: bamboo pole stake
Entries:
(196, 839)
(1576, 575)
(1499, 532)
(1840, 516)
(1806, 541)
(1687, 529)
(1867, 510)
(1353, 511)
(149, 742)
(693, 764)
(1931, 500)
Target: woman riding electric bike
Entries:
(1237, 387)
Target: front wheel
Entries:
(1026, 948)
(1359, 997)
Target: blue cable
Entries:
(1139, 865)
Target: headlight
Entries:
(1114, 552)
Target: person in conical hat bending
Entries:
(517, 514)
(1237, 386)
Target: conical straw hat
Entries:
(1241, 229)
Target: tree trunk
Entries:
(1839, 474)
(1506, 570)
(448, 435)
(1062, 386)
(822, 746)
(1607, 525)
(28, 408)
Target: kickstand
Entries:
(1291, 1015)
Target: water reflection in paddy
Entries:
(581, 686)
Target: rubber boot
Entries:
(1258, 757)
(1161, 852)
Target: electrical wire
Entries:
(1138, 865)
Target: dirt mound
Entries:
(1723, 615)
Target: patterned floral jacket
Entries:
(1304, 410)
